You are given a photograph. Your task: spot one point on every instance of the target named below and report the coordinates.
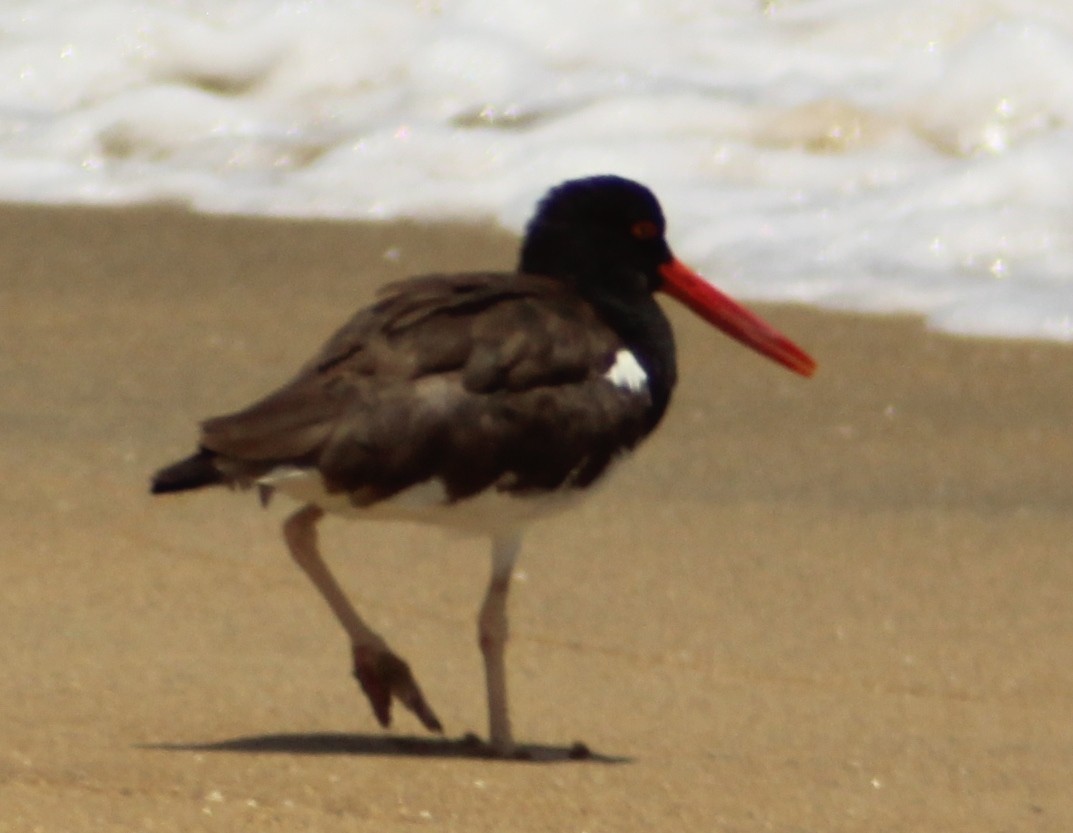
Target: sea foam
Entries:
(878, 156)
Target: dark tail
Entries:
(192, 473)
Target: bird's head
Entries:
(608, 234)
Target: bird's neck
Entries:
(645, 331)
(621, 294)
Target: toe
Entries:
(374, 685)
(383, 676)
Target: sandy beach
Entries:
(840, 604)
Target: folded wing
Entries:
(479, 381)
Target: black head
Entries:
(606, 234)
(602, 230)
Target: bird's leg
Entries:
(492, 635)
(382, 674)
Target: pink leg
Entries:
(382, 674)
(492, 633)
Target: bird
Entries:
(479, 402)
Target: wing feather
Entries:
(479, 380)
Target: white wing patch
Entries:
(627, 373)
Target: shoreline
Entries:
(444, 238)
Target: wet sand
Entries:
(831, 605)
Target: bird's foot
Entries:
(487, 749)
(578, 751)
(384, 676)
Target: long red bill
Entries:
(685, 285)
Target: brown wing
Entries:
(479, 380)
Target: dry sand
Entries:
(827, 605)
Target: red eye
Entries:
(644, 230)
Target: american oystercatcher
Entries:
(480, 402)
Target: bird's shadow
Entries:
(388, 746)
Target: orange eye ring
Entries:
(644, 230)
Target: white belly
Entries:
(488, 512)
